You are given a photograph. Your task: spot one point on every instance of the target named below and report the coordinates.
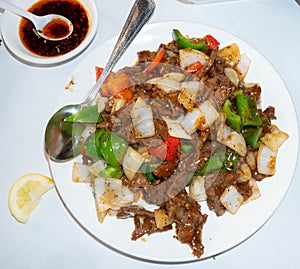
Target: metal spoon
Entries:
(59, 142)
(42, 24)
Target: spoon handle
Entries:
(137, 18)
(16, 10)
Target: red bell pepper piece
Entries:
(211, 42)
(193, 68)
(116, 85)
(167, 150)
(98, 71)
(157, 59)
(125, 94)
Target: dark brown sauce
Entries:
(56, 28)
(71, 9)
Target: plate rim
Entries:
(39, 61)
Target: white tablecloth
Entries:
(51, 238)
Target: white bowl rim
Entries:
(11, 39)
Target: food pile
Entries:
(179, 127)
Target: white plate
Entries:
(10, 36)
(220, 234)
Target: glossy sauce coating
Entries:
(71, 9)
(56, 28)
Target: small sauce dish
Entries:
(25, 45)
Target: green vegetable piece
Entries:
(247, 109)
(147, 169)
(252, 136)
(112, 148)
(239, 92)
(232, 119)
(213, 164)
(189, 179)
(92, 145)
(230, 163)
(87, 115)
(186, 148)
(192, 43)
(221, 162)
(111, 172)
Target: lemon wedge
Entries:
(25, 194)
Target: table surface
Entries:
(51, 238)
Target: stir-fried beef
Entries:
(163, 107)
(215, 184)
(182, 210)
(144, 221)
(253, 89)
(186, 213)
(208, 64)
(138, 181)
(146, 56)
(175, 183)
(270, 113)
(165, 170)
(166, 187)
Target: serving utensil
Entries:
(42, 24)
(59, 143)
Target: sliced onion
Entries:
(190, 56)
(101, 102)
(132, 162)
(251, 160)
(245, 173)
(111, 194)
(210, 113)
(274, 138)
(197, 189)
(231, 54)
(232, 75)
(255, 190)
(142, 119)
(175, 129)
(266, 160)
(168, 85)
(87, 132)
(154, 80)
(232, 139)
(192, 120)
(243, 66)
(175, 76)
(231, 199)
(81, 173)
(97, 167)
(187, 97)
(161, 218)
(118, 103)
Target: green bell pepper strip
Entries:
(213, 164)
(87, 115)
(111, 172)
(221, 162)
(232, 119)
(112, 147)
(230, 163)
(146, 169)
(91, 145)
(186, 148)
(192, 43)
(252, 136)
(247, 109)
(189, 179)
